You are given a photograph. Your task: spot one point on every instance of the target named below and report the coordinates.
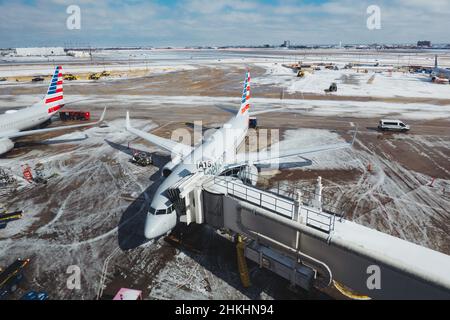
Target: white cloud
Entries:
(114, 22)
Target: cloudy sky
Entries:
(220, 22)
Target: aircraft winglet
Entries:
(103, 115)
(354, 136)
(127, 120)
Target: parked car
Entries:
(393, 125)
(37, 79)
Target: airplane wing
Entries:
(268, 157)
(167, 144)
(276, 157)
(278, 109)
(252, 113)
(18, 134)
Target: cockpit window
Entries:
(161, 211)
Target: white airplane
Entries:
(440, 75)
(14, 122)
(217, 154)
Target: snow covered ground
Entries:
(353, 83)
(82, 217)
(389, 197)
(36, 70)
(339, 159)
(74, 219)
(358, 109)
(393, 57)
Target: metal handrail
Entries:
(329, 225)
(272, 206)
(287, 190)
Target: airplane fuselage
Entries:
(24, 119)
(216, 155)
(441, 73)
(210, 157)
(13, 122)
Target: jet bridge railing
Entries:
(255, 196)
(283, 189)
(277, 203)
(320, 220)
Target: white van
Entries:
(394, 125)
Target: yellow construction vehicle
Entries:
(305, 72)
(301, 74)
(105, 74)
(70, 77)
(94, 76)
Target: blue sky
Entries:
(220, 22)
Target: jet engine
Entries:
(249, 174)
(5, 145)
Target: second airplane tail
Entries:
(54, 99)
(245, 102)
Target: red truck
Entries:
(74, 115)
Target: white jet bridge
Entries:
(309, 245)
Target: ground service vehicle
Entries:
(393, 125)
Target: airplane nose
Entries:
(157, 225)
(153, 227)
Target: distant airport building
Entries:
(79, 54)
(425, 44)
(44, 51)
(286, 44)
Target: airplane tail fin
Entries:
(245, 102)
(54, 99)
